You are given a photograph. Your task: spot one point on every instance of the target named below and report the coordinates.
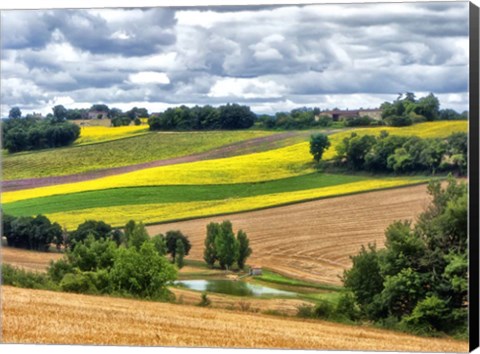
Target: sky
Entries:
(271, 58)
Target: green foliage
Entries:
(31, 133)
(14, 112)
(137, 236)
(179, 253)
(142, 273)
(21, 278)
(422, 274)
(98, 229)
(363, 121)
(77, 283)
(230, 116)
(35, 233)
(403, 154)
(222, 246)
(58, 269)
(209, 252)
(364, 278)
(171, 238)
(406, 110)
(226, 245)
(92, 254)
(347, 308)
(244, 250)
(318, 144)
(160, 244)
(398, 121)
(429, 315)
(121, 121)
(324, 310)
(205, 301)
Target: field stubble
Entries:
(36, 316)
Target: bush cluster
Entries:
(407, 110)
(228, 117)
(221, 245)
(33, 233)
(419, 280)
(391, 153)
(22, 134)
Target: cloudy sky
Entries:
(270, 58)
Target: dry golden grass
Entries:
(284, 306)
(28, 260)
(313, 240)
(36, 316)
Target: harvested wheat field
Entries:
(28, 260)
(282, 306)
(313, 240)
(36, 316)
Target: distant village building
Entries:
(97, 115)
(255, 270)
(338, 114)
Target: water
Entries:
(239, 288)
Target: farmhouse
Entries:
(97, 115)
(255, 270)
(338, 114)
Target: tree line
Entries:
(407, 109)
(392, 153)
(23, 134)
(418, 282)
(100, 259)
(227, 117)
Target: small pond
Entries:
(231, 287)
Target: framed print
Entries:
(262, 176)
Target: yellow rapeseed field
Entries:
(95, 134)
(279, 163)
(154, 213)
(274, 164)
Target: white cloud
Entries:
(149, 77)
(246, 88)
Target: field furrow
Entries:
(313, 240)
(35, 316)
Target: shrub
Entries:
(347, 308)
(399, 121)
(324, 310)
(305, 311)
(205, 301)
(77, 283)
(18, 277)
(427, 316)
(58, 269)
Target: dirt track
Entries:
(313, 240)
(224, 151)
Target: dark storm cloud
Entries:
(91, 32)
(263, 55)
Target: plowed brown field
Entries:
(36, 316)
(313, 240)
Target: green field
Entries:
(121, 152)
(173, 194)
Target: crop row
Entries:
(162, 212)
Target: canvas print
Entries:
(263, 176)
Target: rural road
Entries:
(263, 143)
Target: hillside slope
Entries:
(313, 240)
(36, 316)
